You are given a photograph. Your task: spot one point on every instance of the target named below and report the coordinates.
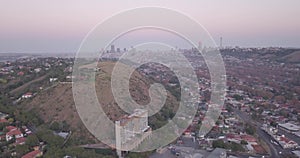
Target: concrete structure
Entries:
(112, 49)
(14, 133)
(132, 130)
(286, 143)
(269, 129)
(218, 153)
(221, 42)
(289, 127)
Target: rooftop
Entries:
(32, 154)
(14, 132)
(138, 113)
(289, 126)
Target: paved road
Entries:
(264, 136)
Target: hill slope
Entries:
(292, 58)
(56, 104)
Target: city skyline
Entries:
(56, 26)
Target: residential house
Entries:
(27, 95)
(53, 79)
(33, 154)
(14, 133)
(20, 141)
(286, 143)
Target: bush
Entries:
(250, 129)
(55, 126)
(236, 147)
(32, 141)
(49, 137)
(219, 144)
(22, 149)
(238, 97)
(243, 142)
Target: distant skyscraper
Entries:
(200, 45)
(118, 50)
(221, 42)
(112, 49)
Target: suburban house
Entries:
(10, 128)
(27, 95)
(20, 141)
(13, 133)
(286, 143)
(33, 154)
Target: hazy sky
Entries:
(61, 25)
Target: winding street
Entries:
(264, 136)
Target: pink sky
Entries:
(60, 25)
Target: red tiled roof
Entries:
(21, 73)
(14, 132)
(32, 154)
(20, 140)
(28, 94)
(284, 139)
(3, 121)
(233, 136)
(9, 128)
(248, 138)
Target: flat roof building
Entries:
(289, 126)
(132, 130)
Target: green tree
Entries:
(5, 154)
(250, 129)
(32, 141)
(2, 126)
(238, 97)
(273, 123)
(236, 147)
(22, 149)
(243, 142)
(49, 137)
(218, 144)
(55, 126)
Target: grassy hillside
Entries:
(56, 105)
(292, 58)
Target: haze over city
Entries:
(60, 26)
(150, 79)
